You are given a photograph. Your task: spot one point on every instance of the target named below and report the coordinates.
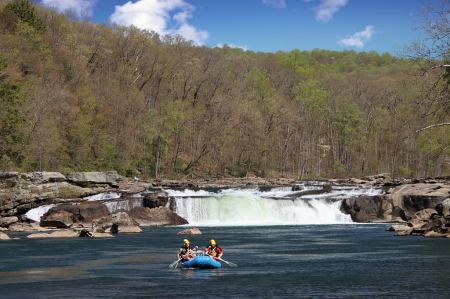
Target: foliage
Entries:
(11, 119)
(25, 11)
(80, 96)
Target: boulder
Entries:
(160, 216)
(66, 233)
(433, 234)
(7, 221)
(119, 222)
(43, 177)
(443, 208)
(154, 200)
(420, 218)
(404, 232)
(9, 175)
(69, 233)
(20, 227)
(366, 208)
(398, 228)
(101, 235)
(399, 206)
(85, 178)
(4, 237)
(298, 187)
(64, 216)
(189, 232)
(415, 203)
(58, 219)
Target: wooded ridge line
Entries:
(76, 96)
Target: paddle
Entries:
(174, 264)
(230, 264)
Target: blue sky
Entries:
(267, 25)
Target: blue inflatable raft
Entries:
(202, 262)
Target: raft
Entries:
(202, 262)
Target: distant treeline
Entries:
(80, 96)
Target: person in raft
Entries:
(186, 252)
(214, 250)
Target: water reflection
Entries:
(201, 273)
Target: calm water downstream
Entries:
(301, 261)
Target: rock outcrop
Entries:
(7, 221)
(189, 232)
(68, 233)
(425, 223)
(399, 204)
(4, 237)
(155, 200)
(43, 177)
(443, 208)
(119, 222)
(86, 178)
(64, 216)
(160, 216)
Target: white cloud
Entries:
(79, 5)
(327, 8)
(156, 15)
(275, 3)
(359, 39)
(245, 48)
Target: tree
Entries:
(431, 52)
(11, 119)
(25, 11)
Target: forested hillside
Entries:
(80, 96)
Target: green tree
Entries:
(25, 11)
(11, 119)
(349, 121)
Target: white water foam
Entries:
(36, 213)
(103, 196)
(256, 210)
(125, 204)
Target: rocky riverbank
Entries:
(131, 205)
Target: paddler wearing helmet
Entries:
(214, 250)
(186, 252)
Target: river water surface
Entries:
(286, 245)
(303, 261)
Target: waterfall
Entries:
(265, 206)
(124, 204)
(36, 213)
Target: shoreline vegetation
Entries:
(80, 96)
(420, 204)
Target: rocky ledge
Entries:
(73, 213)
(428, 223)
(70, 214)
(399, 204)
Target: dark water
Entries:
(328, 261)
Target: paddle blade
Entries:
(232, 265)
(174, 265)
